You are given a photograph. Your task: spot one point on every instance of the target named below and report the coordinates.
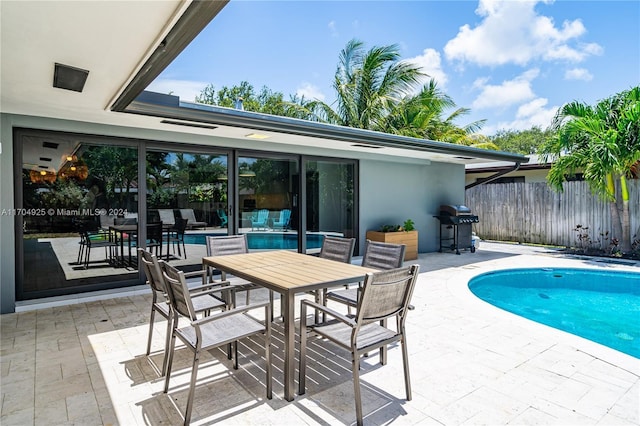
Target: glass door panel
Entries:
(191, 186)
(72, 189)
(268, 202)
(330, 201)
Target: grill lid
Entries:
(454, 210)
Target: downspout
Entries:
(493, 177)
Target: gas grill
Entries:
(455, 227)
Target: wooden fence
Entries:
(534, 213)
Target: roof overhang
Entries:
(125, 45)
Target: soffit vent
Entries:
(69, 78)
(45, 159)
(188, 124)
(361, 145)
(51, 145)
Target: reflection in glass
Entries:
(267, 193)
(330, 200)
(71, 193)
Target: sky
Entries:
(513, 63)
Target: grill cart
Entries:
(455, 228)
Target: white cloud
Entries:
(431, 64)
(333, 29)
(185, 89)
(508, 93)
(531, 114)
(512, 32)
(309, 91)
(578, 74)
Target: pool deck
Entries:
(471, 364)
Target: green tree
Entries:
(603, 142)
(425, 116)
(521, 141)
(266, 101)
(368, 86)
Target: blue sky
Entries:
(512, 63)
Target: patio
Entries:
(470, 362)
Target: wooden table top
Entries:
(286, 271)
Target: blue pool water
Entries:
(602, 306)
(262, 240)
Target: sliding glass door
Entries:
(71, 186)
(330, 201)
(187, 193)
(267, 209)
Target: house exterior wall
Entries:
(391, 192)
(391, 189)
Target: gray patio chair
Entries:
(176, 237)
(191, 217)
(211, 332)
(232, 244)
(203, 297)
(377, 255)
(93, 238)
(338, 249)
(385, 295)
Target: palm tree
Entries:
(604, 143)
(368, 85)
(422, 116)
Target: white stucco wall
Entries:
(391, 192)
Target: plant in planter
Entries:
(398, 234)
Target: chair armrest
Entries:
(337, 315)
(234, 311)
(211, 288)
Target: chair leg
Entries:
(172, 348)
(302, 366)
(405, 364)
(355, 366)
(167, 342)
(192, 387)
(151, 319)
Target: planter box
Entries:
(408, 238)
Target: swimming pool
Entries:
(266, 240)
(602, 306)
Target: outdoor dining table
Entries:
(288, 273)
(131, 229)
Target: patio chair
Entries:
(259, 219)
(211, 332)
(166, 216)
(377, 255)
(176, 237)
(338, 249)
(385, 294)
(283, 220)
(92, 238)
(232, 244)
(202, 296)
(191, 217)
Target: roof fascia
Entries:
(265, 122)
(195, 18)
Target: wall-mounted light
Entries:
(256, 136)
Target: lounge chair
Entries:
(191, 217)
(223, 217)
(259, 219)
(283, 221)
(167, 217)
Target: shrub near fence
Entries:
(533, 213)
